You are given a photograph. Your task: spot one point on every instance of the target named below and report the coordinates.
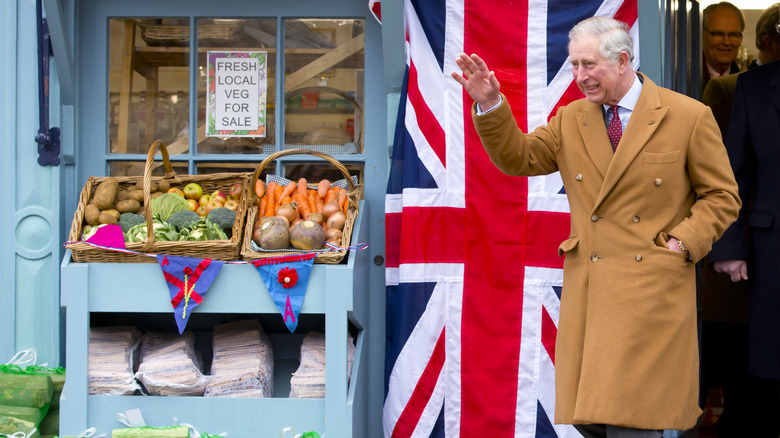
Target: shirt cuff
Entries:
(480, 112)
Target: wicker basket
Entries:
(226, 31)
(354, 193)
(211, 249)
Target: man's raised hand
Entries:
(478, 80)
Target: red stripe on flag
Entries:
(571, 94)
(550, 229)
(549, 333)
(432, 235)
(491, 322)
(627, 13)
(392, 239)
(421, 395)
(426, 121)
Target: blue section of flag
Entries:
(188, 280)
(432, 14)
(288, 300)
(562, 15)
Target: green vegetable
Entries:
(163, 232)
(184, 218)
(204, 229)
(166, 205)
(90, 231)
(129, 220)
(224, 217)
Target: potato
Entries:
(163, 186)
(156, 194)
(105, 193)
(121, 195)
(92, 214)
(152, 187)
(112, 212)
(128, 206)
(136, 194)
(107, 218)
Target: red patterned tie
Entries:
(615, 128)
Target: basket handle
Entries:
(284, 153)
(158, 144)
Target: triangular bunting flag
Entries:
(188, 280)
(109, 235)
(286, 278)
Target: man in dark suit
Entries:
(724, 351)
(723, 24)
(749, 248)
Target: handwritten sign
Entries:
(237, 92)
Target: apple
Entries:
(231, 204)
(175, 191)
(220, 196)
(214, 203)
(192, 191)
(193, 204)
(204, 199)
(201, 210)
(234, 192)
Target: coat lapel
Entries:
(594, 136)
(645, 119)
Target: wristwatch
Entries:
(682, 246)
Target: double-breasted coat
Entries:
(626, 351)
(753, 143)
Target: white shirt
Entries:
(626, 104)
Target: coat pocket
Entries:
(661, 157)
(761, 219)
(568, 245)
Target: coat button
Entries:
(594, 258)
(594, 218)
(635, 219)
(657, 181)
(638, 257)
(578, 177)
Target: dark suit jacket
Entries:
(753, 144)
(706, 72)
(721, 299)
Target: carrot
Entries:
(322, 188)
(343, 200)
(262, 204)
(312, 196)
(302, 189)
(331, 195)
(288, 190)
(259, 188)
(303, 204)
(285, 200)
(318, 203)
(278, 193)
(270, 208)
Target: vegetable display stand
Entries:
(214, 249)
(354, 194)
(336, 303)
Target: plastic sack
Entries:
(50, 424)
(14, 427)
(243, 362)
(308, 381)
(20, 388)
(169, 365)
(152, 432)
(57, 376)
(111, 360)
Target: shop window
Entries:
(158, 89)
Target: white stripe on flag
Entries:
(452, 364)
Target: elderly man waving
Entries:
(650, 189)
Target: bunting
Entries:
(188, 280)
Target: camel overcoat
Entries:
(626, 352)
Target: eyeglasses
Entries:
(719, 35)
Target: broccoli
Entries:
(183, 218)
(129, 220)
(223, 217)
(204, 229)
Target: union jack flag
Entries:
(473, 275)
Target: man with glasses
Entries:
(722, 25)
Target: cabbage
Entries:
(163, 232)
(166, 205)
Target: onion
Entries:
(288, 212)
(333, 233)
(336, 220)
(317, 217)
(330, 208)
